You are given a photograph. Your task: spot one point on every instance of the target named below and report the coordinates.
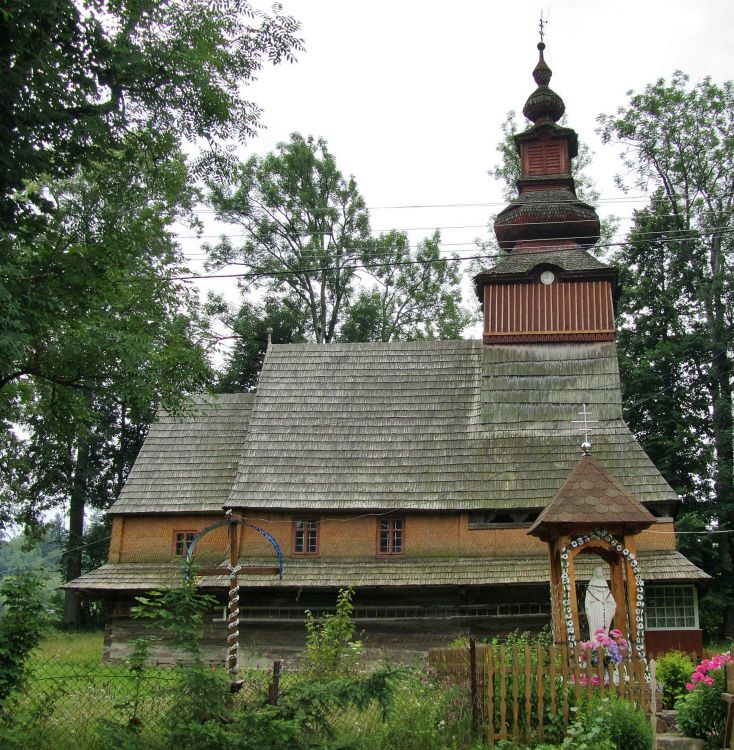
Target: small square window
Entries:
(390, 536)
(671, 608)
(306, 536)
(181, 541)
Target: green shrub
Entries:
(21, 625)
(702, 713)
(331, 648)
(609, 724)
(674, 671)
(627, 726)
(588, 732)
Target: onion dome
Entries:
(543, 105)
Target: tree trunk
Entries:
(721, 376)
(723, 479)
(72, 616)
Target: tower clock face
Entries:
(547, 277)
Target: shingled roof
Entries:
(432, 425)
(567, 259)
(188, 462)
(422, 571)
(588, 499)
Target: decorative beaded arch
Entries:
(580, 541)
(233, 594)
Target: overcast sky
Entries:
(410, 94)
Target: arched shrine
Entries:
(593, 514)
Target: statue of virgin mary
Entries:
(599, 603)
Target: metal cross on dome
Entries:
(543, 24)
(585, 421)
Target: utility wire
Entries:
(439, 227)
(57, 554)
(378, 265)
(485, 204)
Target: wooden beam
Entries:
(620, 615)
(556, 594)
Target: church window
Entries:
(671, 607)
(390, 536)
(503, 519)
(181, 541)
(306, 536)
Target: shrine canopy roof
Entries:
(591, 498)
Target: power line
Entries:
(378, 265)
(57, 554)
(482, 204)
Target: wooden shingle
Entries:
(359, 572)
(432, 426)
(590, 498)
(188, 462)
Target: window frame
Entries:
(391, 530)
(481, 520)
(294, 536)
(184, 533)
(694, 594)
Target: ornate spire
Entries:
(547, 213)
(543, 105)
(542, 73)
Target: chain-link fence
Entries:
(65, 702)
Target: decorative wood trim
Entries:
(550, 338)
(566, 306)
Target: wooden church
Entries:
(444, 480)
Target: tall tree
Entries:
(307, 245)
(414, 296)
(252, 325)
(80, 80)
(662, 350)
(75, 75)
(126, 337)
(95, 98)
(305, 226)
(680, 138)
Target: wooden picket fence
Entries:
(528, 693)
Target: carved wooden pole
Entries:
(233, 619)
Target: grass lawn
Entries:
(69, 691)
(78, 649)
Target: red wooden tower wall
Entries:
(579, 310)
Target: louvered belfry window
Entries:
(390, 536)
(306, 536)
(544, 158)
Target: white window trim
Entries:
(696, 625)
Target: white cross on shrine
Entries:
(586, 445)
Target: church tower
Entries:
(547, 287)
